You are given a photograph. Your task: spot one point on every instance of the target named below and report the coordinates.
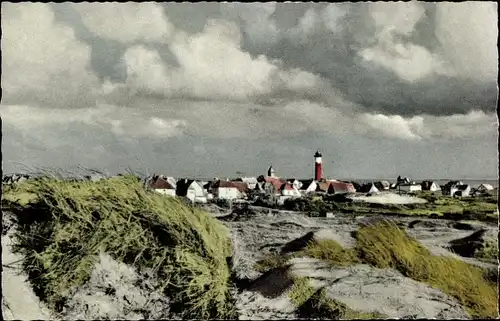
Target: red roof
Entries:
(277, 182)
(160, 183)
(323, 186)
(287, 187)
(240, 186)
(336, 187)
(341, 187)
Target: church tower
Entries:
(270, 172)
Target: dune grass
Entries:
(64, 225)
(489, 252)
(301, 291)
(384, 245)
(330, 251)
(271, 261)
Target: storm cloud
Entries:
(294, 76)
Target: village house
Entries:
(295, 182)
(277, 188)
(450, 187)
(250, 181)
(229, 190)
(382, 185)
(162, 186)
(192, 190)
(485, 187)
(460, 190)
(335, 187)
(287, 191)
(369, 188)
(402, 180)
(342, 187)
(430, 186)
(409, 187)
(271, 179)
(308, 186)
(322, 186)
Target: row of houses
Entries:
(278, 189)
(452, 188)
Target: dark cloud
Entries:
(172, 90)
(334, 56)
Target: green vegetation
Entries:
(315, 207)
(385, 245)
(482, 208)
(301, 291)
(64, 225)
(489, 252)
(271, 261)
(314, 303)
(330, 251)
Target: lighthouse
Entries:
(318, 166)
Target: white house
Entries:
(161, 185)
(192, 190)
(287, 191)
(447, 188)
(308, 186)
(430, 186)
(485, 187)
(410, 187)
(382, 185)
(226, 190)
(250, 181)
(295, 182)
(369, 188)
(460, 190)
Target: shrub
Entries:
(222, 203)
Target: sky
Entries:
(228, 89)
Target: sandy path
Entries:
(18, 300)
(389, 198)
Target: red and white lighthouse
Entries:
(318, 166)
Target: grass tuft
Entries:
(489, 252)
(384, 245)
(330, 251)
(271, 261)
(63, 226)
(301, 291)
